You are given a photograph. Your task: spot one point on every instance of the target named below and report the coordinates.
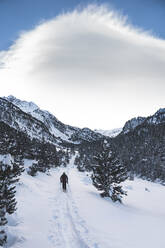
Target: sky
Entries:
(91, 64)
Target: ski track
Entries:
(52, 219)
(67, 228)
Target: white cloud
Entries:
(89, 67)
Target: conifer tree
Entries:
(3, 220)
(32, 170)
(18, 166)
(9, 173)
(108, 173)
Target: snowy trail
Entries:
(51, 219)
(67, 227)
(65, 233)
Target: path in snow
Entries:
(67, 227)
(50, 217)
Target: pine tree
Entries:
(18, 166)
(32, 170)
(108, 173)
(13, 173)
(9, 173)
(67, 156)
(3, 220)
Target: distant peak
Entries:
(133, 123)
(110, 133)
(10, 97)
(24, 105)
(161, 111)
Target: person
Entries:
(64, 181)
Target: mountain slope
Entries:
(27, 130)
(140, 146)
(42, 124)
(24, 122)
(142, 149)
(155, 119)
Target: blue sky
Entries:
(18, 15)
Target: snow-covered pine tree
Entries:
(32, 170)
(67, 156)
(3, 220)
(13, 173)
(9, 189)
(18, 166)
(9, 173)
(108, 173)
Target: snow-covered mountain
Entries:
(14, 117)
(28, 107)
(55, 127)
(27, 130)
(157, 118)
(110, 133)
(141, 146)
(36, 123)
(131, 124)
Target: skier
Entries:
(64, 181)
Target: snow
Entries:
(28, 163)
(110, 133)
(6, 159)
(133, 123)
(59, 134)
(80, 218)
(34, 129)
(161, 110)
(28, 107)
(41, 115)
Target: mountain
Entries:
(36, 123)
(33, 133)
(132, 124)
(141, 146)
(14, 117)
(28, 132)
(157, 118)
(110, 133)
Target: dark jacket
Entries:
(64, 178)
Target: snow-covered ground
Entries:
(49, 218)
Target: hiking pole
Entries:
(61, 186)
(69, 190)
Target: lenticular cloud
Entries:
(94, 44)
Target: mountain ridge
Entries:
(52, 129)
(157, 118)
